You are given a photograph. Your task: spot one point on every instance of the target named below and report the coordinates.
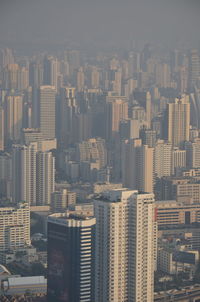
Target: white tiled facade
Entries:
(125, 246)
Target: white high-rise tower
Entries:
(125, 246)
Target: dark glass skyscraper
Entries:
(70, 258)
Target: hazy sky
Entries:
(32, 23)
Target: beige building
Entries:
(116, 110)
(14, 226)
(24, 173)
(15, 77)
(162, 159)
(172, 212)
(10, 76)
(33, 174)
(60, 200)
(193, 153)
(124, 263)
(172, 188)
(178, 120)
(137, 166)
(13, 111)
(178, 160)
(47, 105)
(80, 80)
(172, 261)
(33, 135)
(93, 150)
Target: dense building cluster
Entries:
(105, 150)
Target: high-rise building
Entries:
(66, 124)
(92, 150)
(80, 79)
(148, 137)
(5, 175)
(47, 112)
(83, 126)
(15, 77)
(1, 128)
(6, 57)
(95, 78)
(178, 160)
(35, 74)
(50, 71)
(13, 115)
(10, 76)
(193, 153)
(24, 173)
(129, 129)
(70, 258)
(163, 75)
(33, 174)
(178, 120)
(116, 83)
(124, 263)
(194, 68)
(22, 79)
(45, 169)
(35, 81)
(60, 200)
(162, 159)
(73, 57)
(182, 79)
(137, 165)
(14, 226)
(116, 110)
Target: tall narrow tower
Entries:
(47, 100)
(45, 165)
(24, 173)
(137, 165)
(178, 121)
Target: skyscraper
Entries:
(10, 76)
(6, 57)
(178, 159)
(1, 128)
(178, 120)
(80, 79)
(137, 165)
(24, 173)
(94, 149)
(70, 258)
(50, 74)
(163, 159)
(194, 68)
(125, 246)
(66, 124)
(5, 175)
(45, 169)
(47, 95)
(33, 174)
(13, 111)
(116, 110)
(148, 137)
(193, 153)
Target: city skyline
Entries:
(99, 150)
